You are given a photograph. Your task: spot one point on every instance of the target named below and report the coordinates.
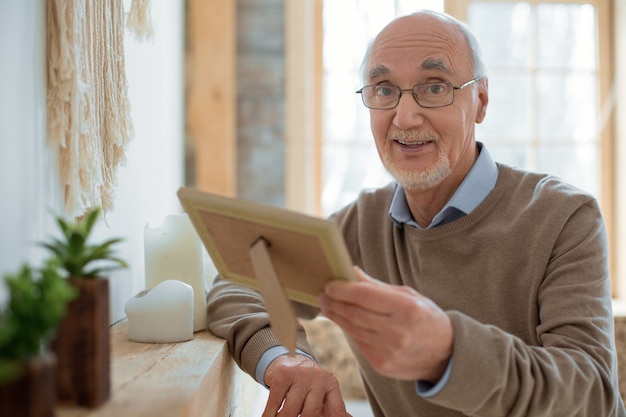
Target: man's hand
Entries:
(302, 388)
(401, 333)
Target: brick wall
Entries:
(261, 101)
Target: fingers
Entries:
(314, 401)
(300, 387)
(369, 294)
(367, 304)
(400, 332)
(351, 316)
(333, 403)
(274, 404)
(306, 404)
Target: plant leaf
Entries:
(90, 220)
(73, 253)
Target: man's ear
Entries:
(483, 100)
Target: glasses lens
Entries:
(434, 94)
(380, 96)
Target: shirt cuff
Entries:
(268, 357)
(427, 389)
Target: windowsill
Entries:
(166, 379)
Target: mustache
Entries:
(413, 136)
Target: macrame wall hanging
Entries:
(89, 120)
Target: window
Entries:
(544, 78)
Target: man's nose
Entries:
(408, 113)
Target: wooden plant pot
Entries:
(82, 346)
(33, 393)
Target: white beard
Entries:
(419, 179)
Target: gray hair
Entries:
(479, 69)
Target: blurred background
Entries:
(256, 99)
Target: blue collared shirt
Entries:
(477, 184)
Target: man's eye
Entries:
(383, 91)
(435, 89)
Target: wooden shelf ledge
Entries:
(196, 378)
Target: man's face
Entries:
(423, 147)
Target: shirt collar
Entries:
(476, 185)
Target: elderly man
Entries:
(483, 290)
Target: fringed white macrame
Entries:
(138, 20)
(88, 109)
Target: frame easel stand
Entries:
(281, 313)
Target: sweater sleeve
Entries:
(572, 371)
(237, 314)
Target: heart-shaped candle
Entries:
(163, 314)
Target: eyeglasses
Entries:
(427, 95)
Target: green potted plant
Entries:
(82, 345)
(37, 303)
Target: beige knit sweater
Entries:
(524, 280)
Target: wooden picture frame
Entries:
(306, 252)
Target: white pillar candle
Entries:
(174, 251)
(163, 314)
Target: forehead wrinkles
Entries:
(430, 51)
